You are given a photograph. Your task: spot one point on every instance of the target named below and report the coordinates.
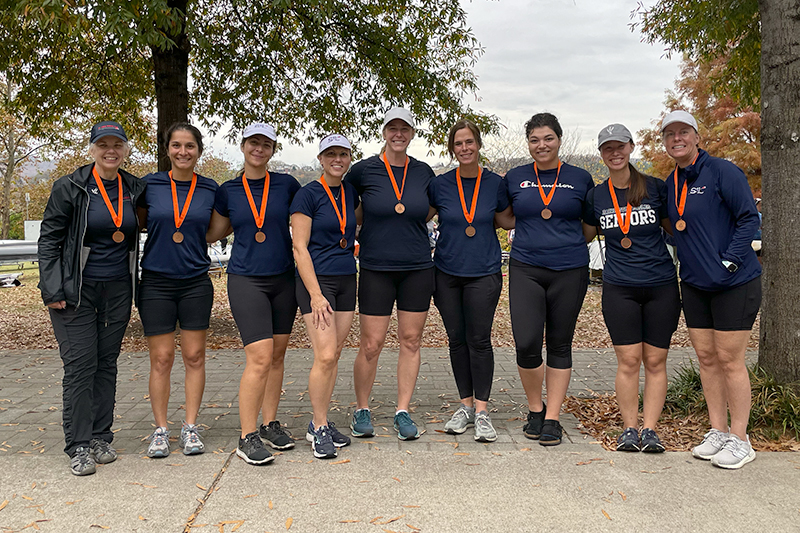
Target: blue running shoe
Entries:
(321, 442)
(339, 439)
(406, 428)
(361, 426)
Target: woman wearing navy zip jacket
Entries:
(88, 250)
(261, 285)
(468, 279)
(175, 286)
(641, 302)
(714, 216)
(548, 272)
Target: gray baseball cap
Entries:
(614, 132)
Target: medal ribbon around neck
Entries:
(680, 200)
(257, 215)
(468, 215)
(397, 192)
(546, 198)
(116, 217)
(180, 215)
(624, 225)
(341, 215)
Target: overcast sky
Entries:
(577, 59)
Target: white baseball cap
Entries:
(398, 112)
(259, 129)
(679, 116)
(334, 140)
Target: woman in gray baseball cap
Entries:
(641, 303)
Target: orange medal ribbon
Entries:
(116, 217)
(546, 199)
(680, 200)
(257, 215)
(341, 215)
(397, 192)
(178, 214)
(624, 225)
(469, 215)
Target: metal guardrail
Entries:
(13, 252)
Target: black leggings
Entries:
(538, 298)
(467, 307)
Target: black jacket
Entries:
(62, 255)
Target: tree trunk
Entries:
(171, 68)
(780, 149)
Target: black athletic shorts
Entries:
(163, 302)
(340, 291)
(262, 306)
(378, 290)
(641, 314)
(733, 309)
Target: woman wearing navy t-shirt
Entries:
(175, 286)
(395, 265)
(548, 271)
(255, 206)
(641, 303)
(468, 278)
(714, 215)
(323, 237)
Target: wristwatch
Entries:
(732, 267)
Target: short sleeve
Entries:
(354, 176)
(294, 187)
(661, 189)
(303, 202)
(588, 215)
(221, 201)
(502, 196)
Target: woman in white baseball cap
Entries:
(395, 266)
(715, 218)
(641, 302)
(255, 206)
(323, 236)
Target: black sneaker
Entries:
(533, 428)
(650, 442)
(276, 436)
(551, 433)
(321, 442)
(629, 441)
(339, 439)
(82, 463)
(252, 450)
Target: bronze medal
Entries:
(680, 225)
(626, 242)
(118, 236)
(177, 237)
(546, 213)
(260, 236)
(400, 208)
(470, 231)
(343, 243)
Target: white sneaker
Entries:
(713, 441)
(734, 454)
(461, 419)
(159, 443)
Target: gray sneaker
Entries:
(713, 441)
(735, 453)
(81, 463)
(102, 452)
(461, 420)
(159, 443)
(190, 440)
(484, 430)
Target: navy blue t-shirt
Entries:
(189, 258)
(557, 243)
(391, 241)
(274, 255)
(456, 254)
(107, 259)
(329, 258)
(647, 262)
(721, 220)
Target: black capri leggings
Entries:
(467, 306)
(641, 314)
(541, 298)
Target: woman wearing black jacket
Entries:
(88, 248)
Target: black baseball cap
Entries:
(105, 128)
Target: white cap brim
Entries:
(334, 140)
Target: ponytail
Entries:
(637, 190)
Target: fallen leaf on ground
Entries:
(199, 486)
(389, 521)
(289, 522)
(605, 514)
(394, 478)
(348, 521)
(343, 461)
(270, 505)
(3, 505)
(624, 498)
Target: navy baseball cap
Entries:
(105, 128)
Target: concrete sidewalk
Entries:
(439, 483)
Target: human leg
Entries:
(162, 356)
